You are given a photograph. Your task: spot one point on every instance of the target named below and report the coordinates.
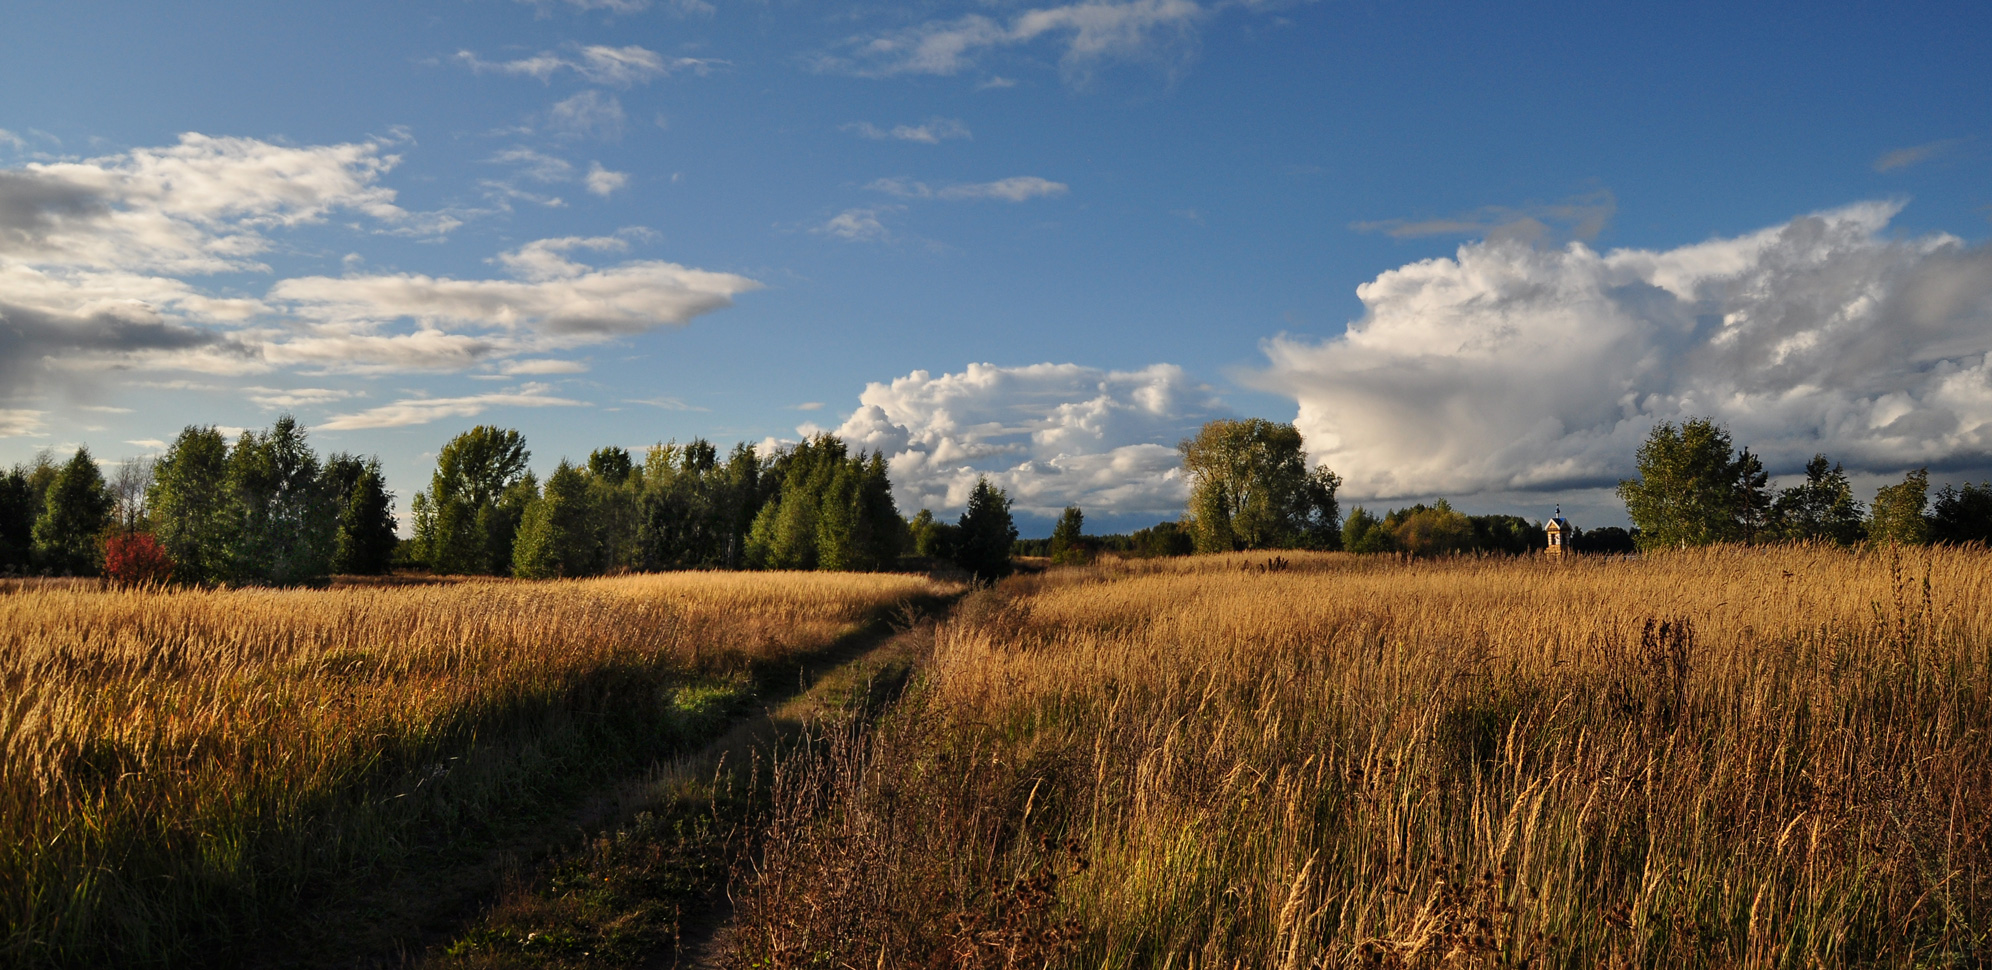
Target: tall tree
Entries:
(189, 505)
(129, 486)
(1251, 489)
(474, 501)
(17, 521)
(1962, 514)
(556, 537)
(366, 538)
(76, 508)
(1693, 488)
(1897, 513)
(1365, 533)
(1821, 508)
(987, 532)
(287, 521)
(1067, 537)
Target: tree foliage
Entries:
(1068, 538)
(986, 532)
(75, 509)
(468, 517)
(1897, 513)
(1694, 489)
(1821, 508)
(1962, 514)
(1251, 489)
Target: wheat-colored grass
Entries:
(176, 765)
(1473, 762)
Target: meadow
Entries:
(182, 770)
(1772, 757)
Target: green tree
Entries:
(1068, 537)
(1251, 489)
(1962, 514)
(1693, 488)
(615, 503)
(476, 495)
(76, 508)
(932, 538)
(987, 532)
(366, 540)
(1363, 532)
(1434, 530)
(555, 534)
(17, 521)
(189, 505)
(286, 521)
(1897, 513)
(1821, 508)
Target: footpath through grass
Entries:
(184, 773)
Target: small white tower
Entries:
(1559, 531)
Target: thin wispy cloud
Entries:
(1915, 154)
(1087, 32)
(413, 411)
(930, 132)
(590, 114)
(542, 366)
(665, 403)
(296, 397)
(594, 63)
(1015, 189)
(603, 182)
(1579, 217)
(22, 423)
(857, 225)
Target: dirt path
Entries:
(406, 918)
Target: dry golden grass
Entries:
(176, 766)
(1730, 757)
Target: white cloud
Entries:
(612, 6)
(1905, 157)
(1015, 189)
(542, 366)
(595, 63)
(810, 406)
(1513, 369)
(931, 132)
(149, 444)
(551, 302)
(590, 114)
(423, 410)
(603, 182)
(535, 165)
(273, 397)
(1051, 434)
(103, 409)
(1090, 32)
(1579, 217)
(857, 225)
(21, 423)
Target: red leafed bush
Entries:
(137, 559)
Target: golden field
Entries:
(1728, 758)
(178, 768)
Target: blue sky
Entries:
(1037, 241)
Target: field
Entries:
(182, 771)
(1726, 758)
(1747, 758)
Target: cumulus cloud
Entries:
(594, 63)
(1090, 32)
(857, 225)
(603, 182)
(931, 132)
(1015, 189)
(423, 410)
(1512, 368)
(1051, 434)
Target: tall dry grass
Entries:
(1730, 757)
(175, 767)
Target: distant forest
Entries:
(266, 509)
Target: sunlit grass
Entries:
(175, 766)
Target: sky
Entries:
(1472, 250)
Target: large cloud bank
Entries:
(98, 258)
(1510, 368)
(1050, 434)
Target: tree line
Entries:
(266, 509)
(1695, 487)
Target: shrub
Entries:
(137, 559)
